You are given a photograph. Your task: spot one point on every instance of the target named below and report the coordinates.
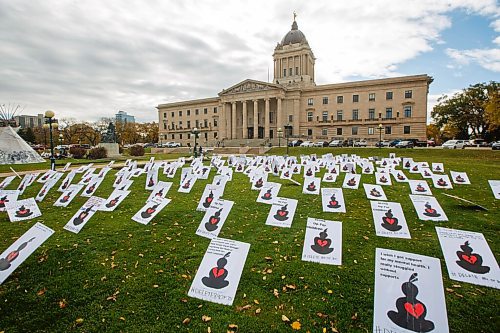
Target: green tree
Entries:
(464, 113)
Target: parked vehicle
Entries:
(405, 144)
(307, 144)
(321, 144)
(431, 143)
(361, 143)
(495, 145)
(150, 145)
(417, 142)
(454, 144)
(173, 144)
(383, 143)
(393, 143)
(336, 143)
(295, 143)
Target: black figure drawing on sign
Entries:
(411, 312)
(66, 197)
(390, 222)
(217, 275)
(149, 211)
(3, 200)
(333, 203)
(91, 189)
(442, 182)
(383, 179)
(259, 183)
(213, 221)
(322, 243)
(267, 195)
(282, 213)
(472, 262)
(429, 211)
(187, 184)
(81, 217)
(351, 182)
(375, 193)
(420, 188)
(311, 187)
(5, 262)
(459, 179)
(151, 182)
(113, 202)
(208, 200)
(23, 212)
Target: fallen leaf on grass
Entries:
(63, 304)
(186, 321)
(41, 291)
(243, 308)
(79, 321)
(258, 311)
(295, 325)
(285, 318)
(206, 318)
(232, 328)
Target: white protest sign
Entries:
(428, 209)
(495, 188)
(441, 181)
(6, 182)
(258, 181)
(214, 218)
(332, 200)
(210, 194)
(419, 187)
(323, 242)
(83, 215)
(389, 219)
(22, 248)
(45, 189)
(351, 181)
(437, 167)
(268, 192)
(312, 185)
(187, 183)
(374, 192)
(160, 190)
(329, 177)
(21, 210)
(282, 212)
(67, 181)
(460, 177)
(468, 257)
(150, 210)
(220, 270)
(7, 196)
(92, 187)
(382, 178)
(151, 178)
(114, 199)
(68, 195)
(399, 176)
(409, 295)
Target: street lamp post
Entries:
(287, 135)
(280, 135)
(50, 120)
(380, 135)
(195, 131)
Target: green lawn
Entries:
(119, 275)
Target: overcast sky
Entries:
(89, 59)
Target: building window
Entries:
(180, 113)
(189, 135)
(205, 123)
(310, 101)
(173, 136)
(180, 136)
(309, 116)
(284, 72)
(388, 95)
(408, 94)
(339, 131)
(290, 118)
(355, 114)
(371, 97)
(164, 126)
(180, 124)
(340, 99)
(205, 111)
(215, 122)
(406, 130)
(206, 136)
(271, 117)
(196, 112)
(388, 113)
(354, 130)
(339, 115)
(324, 131)
(173, 114)
(370, 131)
(215, 109)
(388, 130)
(407, 110)
(164, 115)
(309, 132)
(188, 112)
(325, 116)
(296, 71)
(325, 100)
(371, 114)
(188, 124)
(290, 71)
(197, 124)
(215, 135)
(355, 98)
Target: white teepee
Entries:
(14, 150)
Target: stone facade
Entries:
(298, 107)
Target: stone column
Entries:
(255, 118)
(279, 120)
(266, 119)
(245, 125)
(296, 120)
(222, 122)
(227, 120)
(233, 120)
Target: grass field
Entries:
(118, 275)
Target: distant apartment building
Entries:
(25, 121)
(123, 117)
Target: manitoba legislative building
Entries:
(293, 105)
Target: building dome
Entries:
(294, 36)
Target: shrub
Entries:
(97, 153)
(77, 152)
(137, 150)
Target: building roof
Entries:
(294, 36)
